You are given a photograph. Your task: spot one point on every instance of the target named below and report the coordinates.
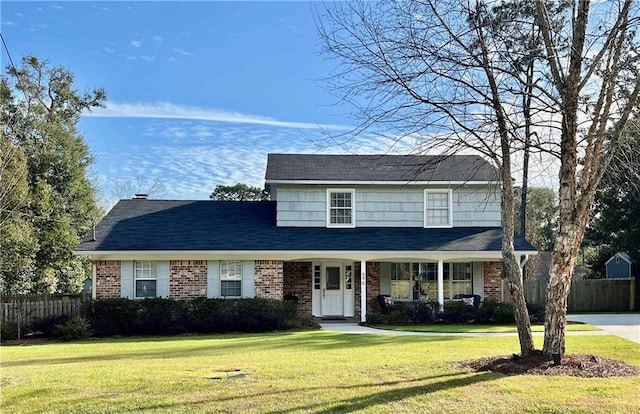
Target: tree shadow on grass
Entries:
(364, 402)
(312, 341)
(346, 405)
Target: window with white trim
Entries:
(413, 281)
(341, 208)
(401, 281)
(231, 279)
(145, 278)
(437, 208)
(461, 279)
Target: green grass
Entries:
(300, 372)
(471, 328)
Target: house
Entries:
(619, 266)
(340, 230)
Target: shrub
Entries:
(108, 317)
(503, 313)
(74, 329)
(46, 326)
(8, 331)
(157, 316)
(536, 312)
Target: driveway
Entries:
(626, 325)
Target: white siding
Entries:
(387, 206)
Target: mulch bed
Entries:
(587, 366)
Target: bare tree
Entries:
(446, 74)
(122, 189)
(592, 69)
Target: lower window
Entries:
(413, 281)
(145, 276)
(231, 279)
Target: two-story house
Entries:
(340, 230)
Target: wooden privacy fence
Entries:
(22, 309)
(587, 295)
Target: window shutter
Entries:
(126, 279)
(213, 278)
(162, 283)
(248, 272)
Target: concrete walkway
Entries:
(354, 328)
(623, 325)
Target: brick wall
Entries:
(373, 285)
(187, 279)
(297, 281)
(493, 280)
(269, 282)
(107, 279)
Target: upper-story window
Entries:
(145, 278)
(341, 210)
(437, 208)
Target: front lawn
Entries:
(296, 372)
(479, 328)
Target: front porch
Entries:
(339, 288)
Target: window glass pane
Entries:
(348, 284)
(437, 200)
(340, 208)
(401, 289)
(145, 288)
(333, 278)
(231, 270)
(231, 288)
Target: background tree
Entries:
(616, 226)
(593, 84)
(451, 76)
(123, 189)
(541, 221)
(238, 192)
(39, 116)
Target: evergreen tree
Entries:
(40, 113)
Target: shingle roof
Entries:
(402, 168)
(157, 225)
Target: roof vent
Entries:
(141, 196)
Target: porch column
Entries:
(363, 290)
(441, 284)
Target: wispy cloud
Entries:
(147, 58)
(171, 111)
(108, 50)
(135, 43)
(182, 52)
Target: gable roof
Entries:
(379, 168)
(623, 256)
(206, 226)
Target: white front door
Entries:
(332, 290)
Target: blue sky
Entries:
(199, 92)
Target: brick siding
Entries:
(269, 281)
(297, 281)
(493, 280)
(187, 279)
(373, 285)
(108, 279)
